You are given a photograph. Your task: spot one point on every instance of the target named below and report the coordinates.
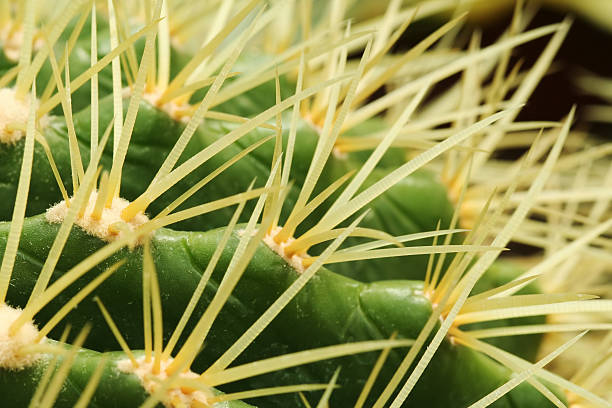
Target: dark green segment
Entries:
(154, 136)
(116, 389)
(44, 190)
(248, 103)
(80, 61)
(331, 309)
(6, 63)
(525, 346)
(458, 376)
(413, 205)
(395, 212)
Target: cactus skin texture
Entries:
(370, 311)
(369, 299)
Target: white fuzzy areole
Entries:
(150, 382)
(12, 41)
(10, 346)
(181, 112)
(294, 260)
(104, 228)
(12, 112)
(338, 154)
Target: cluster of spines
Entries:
(278, 179)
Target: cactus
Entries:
(233, 216)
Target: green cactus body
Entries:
(117, 388)
(414, 205)
(369, 299)
(154, 135)
(331, 309)
(246, 104)
(526, 346)
(80, 60)
(414, 214)
(144, 157)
